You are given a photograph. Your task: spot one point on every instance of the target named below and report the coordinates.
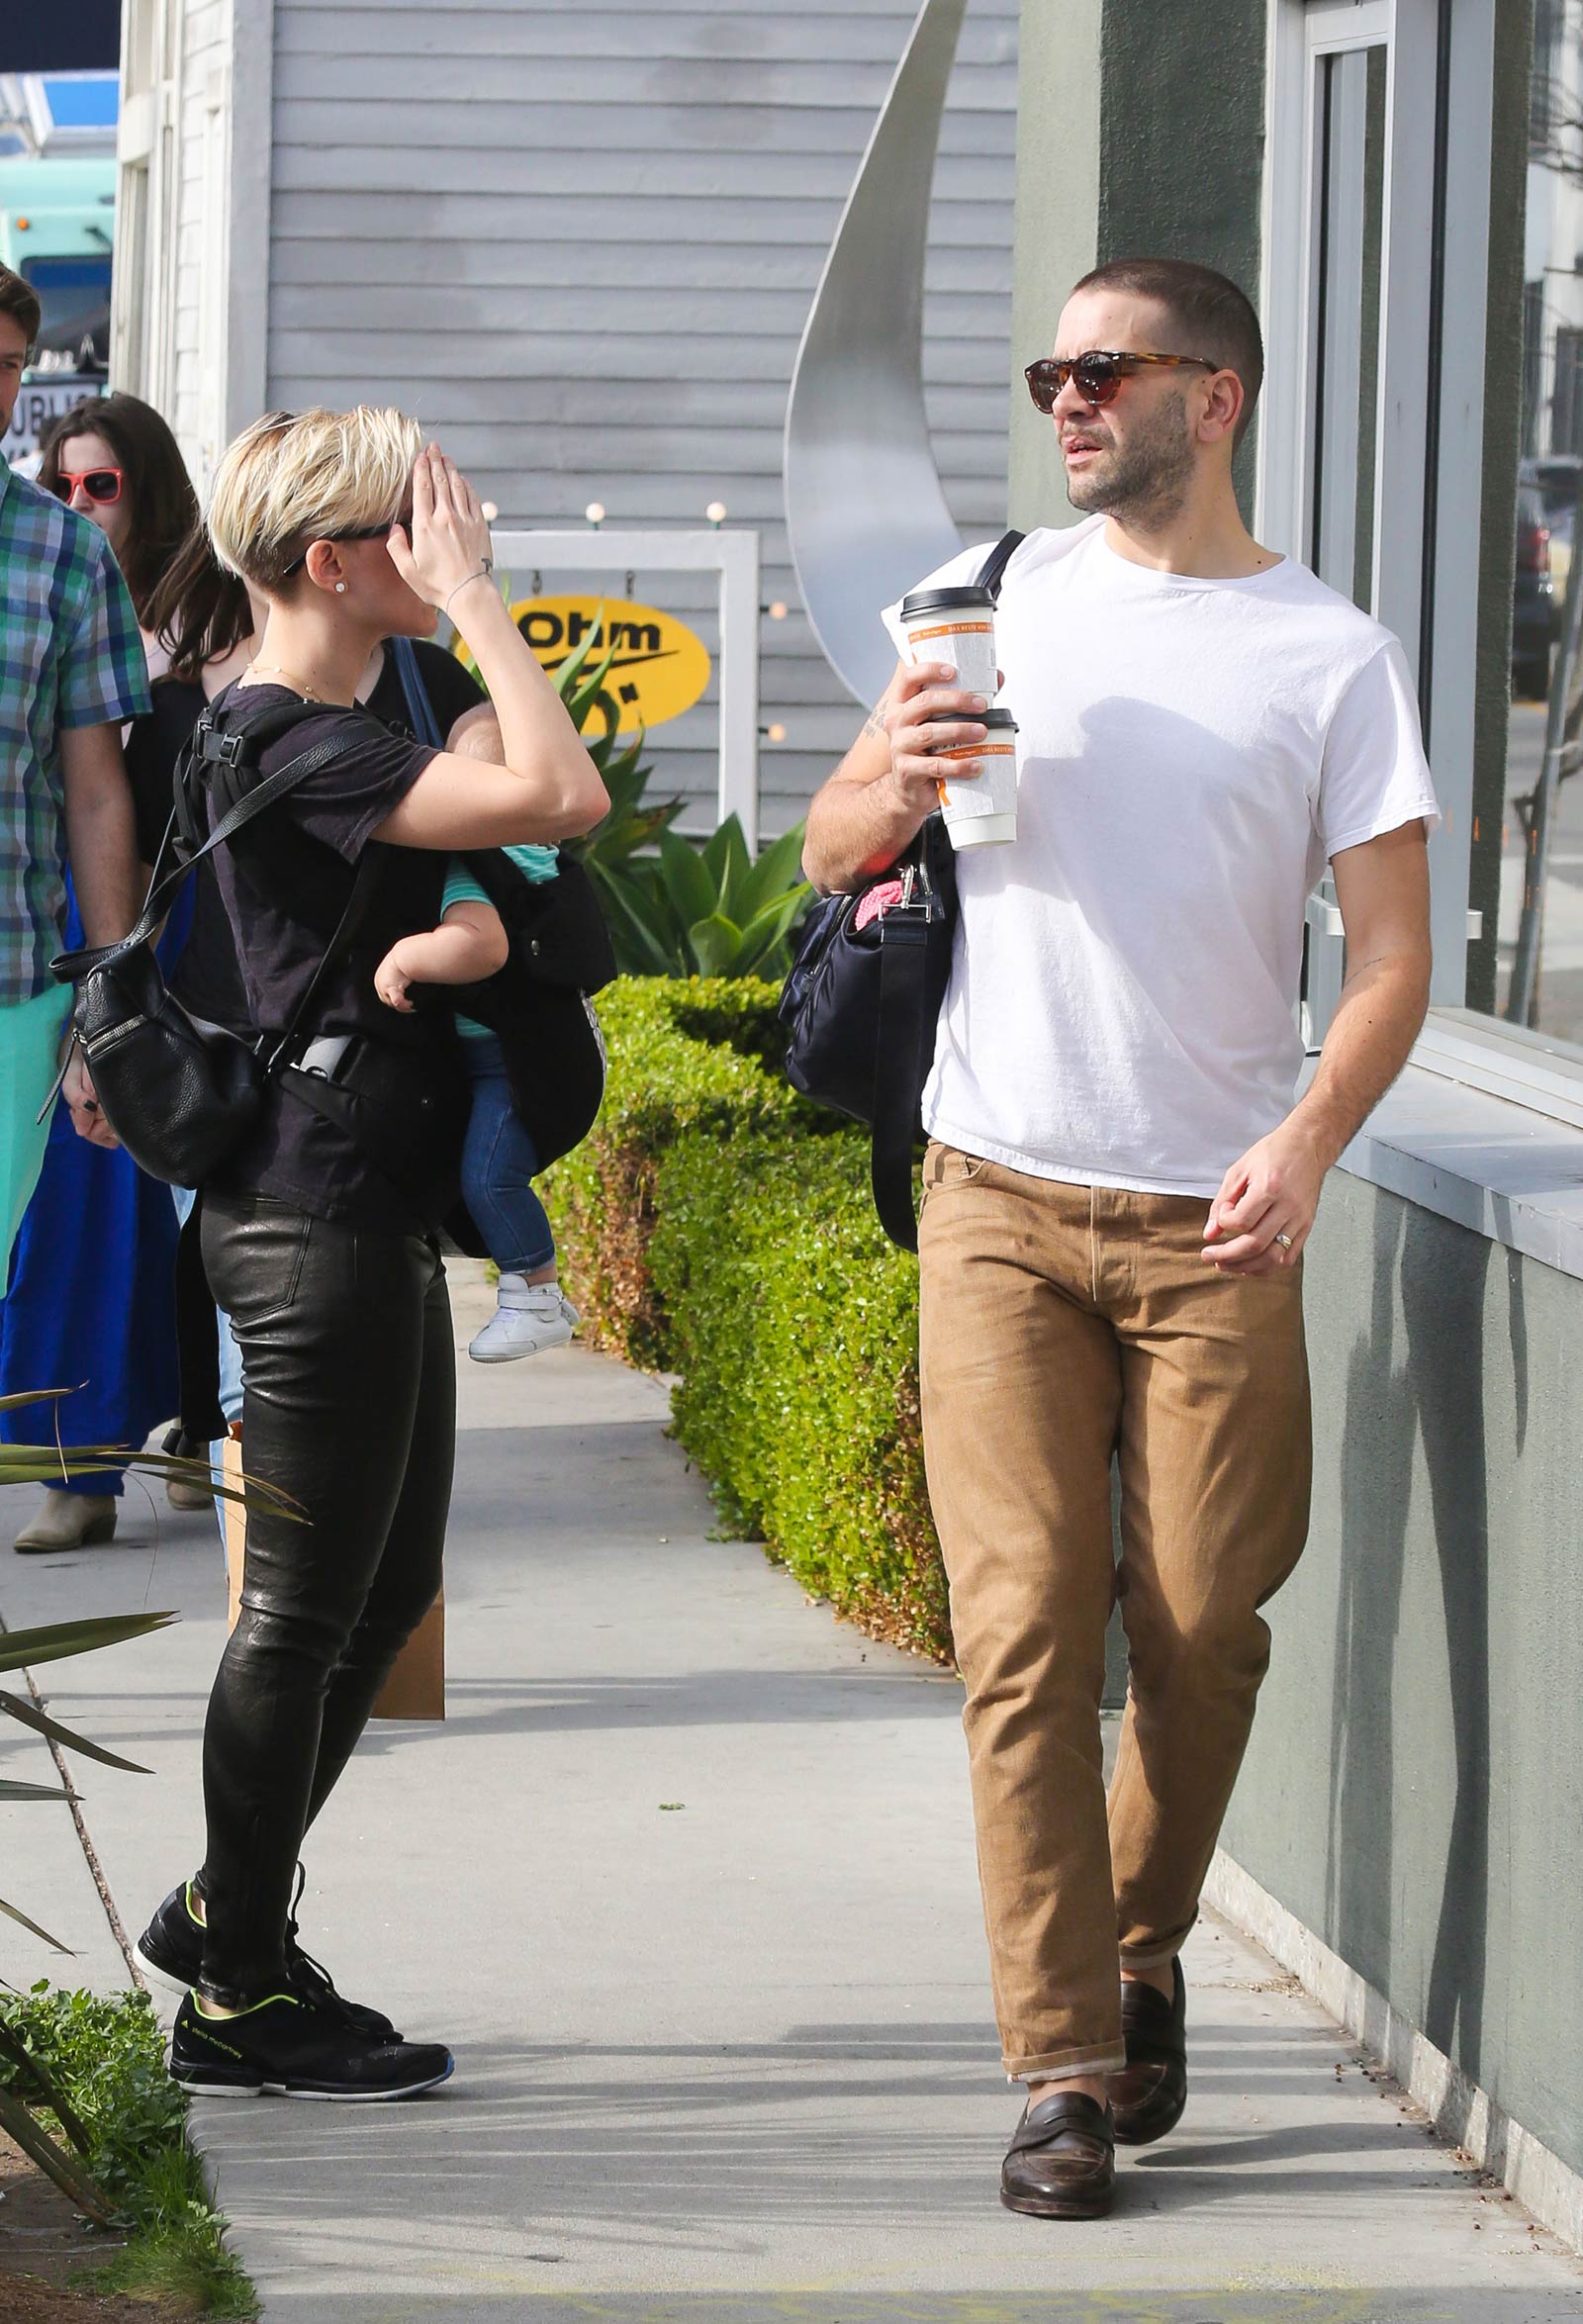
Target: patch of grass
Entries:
(106, 2054)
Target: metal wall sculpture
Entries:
(865, 511)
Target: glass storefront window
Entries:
(1539, 938)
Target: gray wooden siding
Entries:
(205, 51)
(580, 244)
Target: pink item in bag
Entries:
(876, 902)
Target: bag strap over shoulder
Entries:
(993, 571)
(70, 967)
(420, 709)
(901, 1068)
(911, 981)
(907, 1024)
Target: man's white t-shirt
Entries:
(1122, 1006)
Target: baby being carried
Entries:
(498, 1162)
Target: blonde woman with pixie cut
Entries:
(320, 1231)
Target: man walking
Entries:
(1119, 1185)
(71, 668)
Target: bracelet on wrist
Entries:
(483, 574)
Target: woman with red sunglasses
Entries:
(116, 462)
(92, 1295)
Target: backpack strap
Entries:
(70, 967)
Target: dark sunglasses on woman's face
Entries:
(363, 532)
(1097, 376)
(102, 485)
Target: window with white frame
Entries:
(1375, 293)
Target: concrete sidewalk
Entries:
(686, 1879)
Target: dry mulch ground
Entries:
(44, 2243)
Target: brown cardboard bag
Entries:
(416, 1687)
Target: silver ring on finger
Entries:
(1284, 1241)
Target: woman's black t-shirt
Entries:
(286, 881)
(206, 980)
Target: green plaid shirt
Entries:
(69, 656)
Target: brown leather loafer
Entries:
(1148, 2096)
(1062, 2161)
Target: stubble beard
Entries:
(1143, 482)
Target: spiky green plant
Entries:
(710, 910)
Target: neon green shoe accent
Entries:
(232, 2015)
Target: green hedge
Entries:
(716, 1227)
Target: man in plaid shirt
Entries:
(71, 668)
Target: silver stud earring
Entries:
(340, 589)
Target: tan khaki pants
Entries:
(1060, 1325)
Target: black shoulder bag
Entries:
(861, 1003)
(177, 1092)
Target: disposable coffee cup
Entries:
(983, 811)
(955, 625)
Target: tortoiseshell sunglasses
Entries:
(1098, 374)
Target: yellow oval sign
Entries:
(660, 666)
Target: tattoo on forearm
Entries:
(1360, 968)
(873, 724)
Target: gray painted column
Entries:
(1140, 134)
(1056, 225)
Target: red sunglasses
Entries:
(102, 485)
(1097, 375)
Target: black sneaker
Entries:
(293, 2048)
(171, 1950)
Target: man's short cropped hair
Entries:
(297, 476)
(1209, 317)
(20, 300)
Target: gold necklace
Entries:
(273, 670)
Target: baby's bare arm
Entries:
(469, 945)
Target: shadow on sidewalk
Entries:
(695, 1697)
(693, 2147)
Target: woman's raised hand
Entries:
(450, 540)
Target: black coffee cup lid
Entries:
(971, 599)
(1002, 720)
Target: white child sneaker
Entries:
(530, 1317)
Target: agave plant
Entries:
(710, 910)
(36, 1464)
(23, 1465)
(18, 1651)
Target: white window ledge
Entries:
(1486, 1128)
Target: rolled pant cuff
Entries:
(1062, 2065)
(1150, 1956)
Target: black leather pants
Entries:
(351, 1407)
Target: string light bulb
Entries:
(777, 610)
(488, 510)
(716, 514)
(595, 513)
(776, 732)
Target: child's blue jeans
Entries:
(499, 1165)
